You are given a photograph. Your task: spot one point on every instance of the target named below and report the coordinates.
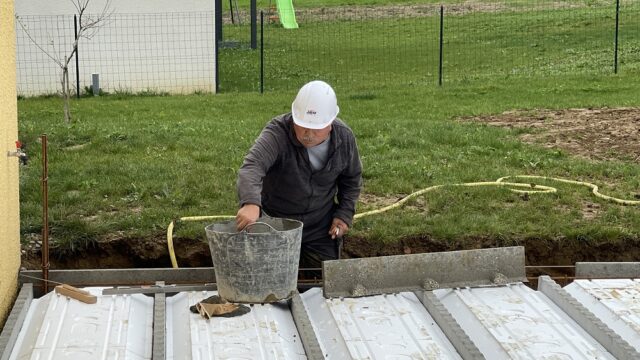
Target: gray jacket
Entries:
(276, 174)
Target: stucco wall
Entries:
(9, 207)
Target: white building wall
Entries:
(156, 45)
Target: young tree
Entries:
(88, 26)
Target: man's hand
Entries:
(247, 215)
(338, 228)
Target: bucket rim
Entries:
(209, 228)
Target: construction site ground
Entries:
(595, 134)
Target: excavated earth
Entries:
(596, 134)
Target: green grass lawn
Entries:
(380, 52)
(128, 165)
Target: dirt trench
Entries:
(140, 253)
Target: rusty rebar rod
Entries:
(45, 214)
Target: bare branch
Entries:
(90, 24)
(80, 5)
(24, 27)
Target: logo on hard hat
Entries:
(311, 112)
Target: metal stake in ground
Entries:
(615, 46)
(45, 215)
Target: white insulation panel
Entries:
(393, 326)
(615, 301)
(61, 328)
(504, 322)
(516, 322)
(267, 332)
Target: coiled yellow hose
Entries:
(530, 189)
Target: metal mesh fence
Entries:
(399, 45)
(37, 72)
(530, 38)
(349, 48)
(354, 47)
(345, 46)
(131, 53)
(165, 52)
(629, 36)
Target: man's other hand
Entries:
(247, 215)
(338, 228)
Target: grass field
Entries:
(128, 165)
(367, 49)
(244, 4)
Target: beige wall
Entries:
(9, 206)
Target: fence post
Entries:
(253, 24)
(261, 51)
(218, 18)
(233, 21)
(615, 48)
(441, 43)
(216, 50)
(75, 34)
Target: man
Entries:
(304, 166)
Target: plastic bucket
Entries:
(258, 264)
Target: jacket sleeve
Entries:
(262, 155)
(349, 186)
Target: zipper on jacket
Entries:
(310, 196)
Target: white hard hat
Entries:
(316, 105)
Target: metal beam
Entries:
(603, 270)
(157, 289)
(14, 322)
(611, 341)
(117, 277)
(392, 274)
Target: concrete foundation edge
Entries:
(418, 272)
(117, 277)
(599, 270)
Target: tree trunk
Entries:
(65, 94)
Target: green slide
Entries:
(287, 14)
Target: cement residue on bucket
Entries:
(258, 264)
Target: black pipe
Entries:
(615, 49)
(253, 24)
(441, 43)
(75, 33)
(218, 19)
(217, 71)
(261, 51)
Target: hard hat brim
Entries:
(300, 122)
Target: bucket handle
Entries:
(261, 223)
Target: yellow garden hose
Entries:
(172, 253)
(530, 189)
(594, 188)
